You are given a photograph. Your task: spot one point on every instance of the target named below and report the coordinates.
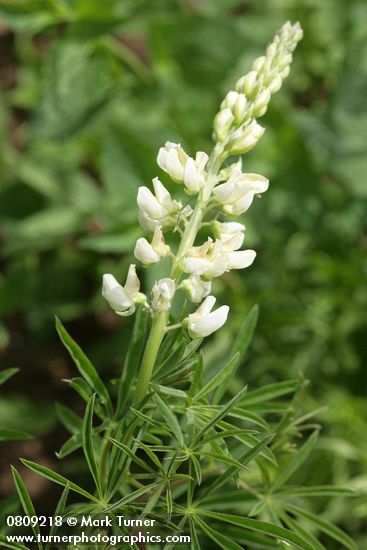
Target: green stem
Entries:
(155, 338)
(159, 324)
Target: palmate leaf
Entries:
(296, 462)
(132, 456)
(26, 501)
(264, 527)
(72, 444)
(57, 478)
(195, 545)
(324, 525)
(221, 540)
(85, 367)
(87, 439)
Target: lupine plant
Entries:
(168, 440)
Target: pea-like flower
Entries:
(204, 321)
(150, 253)
(213, 258)
(158, 209)
(236, 195)
(122, 299)
(231, 234)
(182, 168)
(162, 294)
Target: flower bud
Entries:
(248, 84)
(258, 64)
(222, 124)
(245, 138)
(204, 321)
(162, 294)
(261, 103)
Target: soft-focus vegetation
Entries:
(89, 91)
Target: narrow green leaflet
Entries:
(11, 545)
(296, 462)
(132, 496)
(6, 374)
(84, 366)
(219, 378)
(223, 411)
(132, 456)
(59, 511)
(221, 540)
(169, 418)
(132, 360)
(325, 526)
(262, 526)
(241, 345)
(13, 435)
(269, 392)
(318, 491)
(244, 459)
(297, 528)
(57, 478)
(195, 545)
(68, 418)
(26, 501)
(87, 438)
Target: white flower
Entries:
(122, 299)
(231, 234)
(214, 258)
(182, 168)
(245, 138)
(157, 210)
(149, 254)
(205, 321)
(237, 194)
(196, 288)
(162, 294)
(194, 172)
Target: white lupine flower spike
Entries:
(216, 192)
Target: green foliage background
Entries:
(90, 91)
